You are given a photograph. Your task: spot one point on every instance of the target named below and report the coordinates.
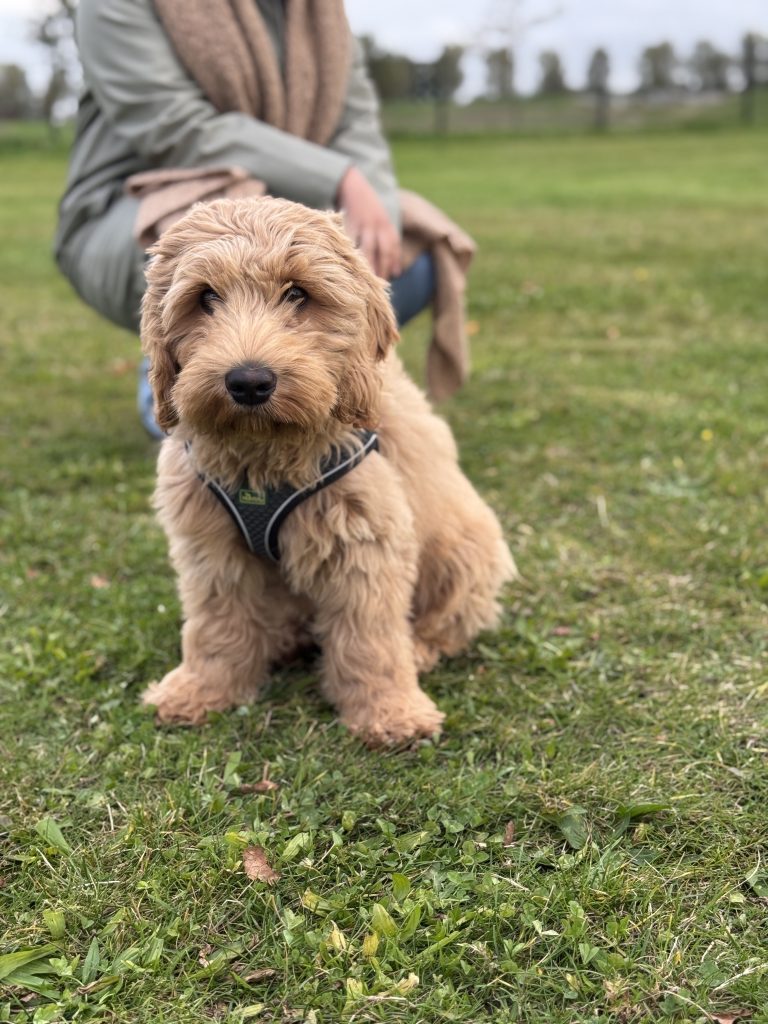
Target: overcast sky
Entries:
(572, 27)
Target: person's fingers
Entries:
(392, 247)
(389, 249)
(368, 244)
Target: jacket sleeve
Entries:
(360, 136)
(149, 99)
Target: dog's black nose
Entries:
(250, 385)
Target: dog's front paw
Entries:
(179, 698)
(386, 725)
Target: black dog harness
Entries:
(260, 514)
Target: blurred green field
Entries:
(587, 841)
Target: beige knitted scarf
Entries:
(226, 48)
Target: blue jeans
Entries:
(411, 292)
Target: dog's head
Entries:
(260, 313)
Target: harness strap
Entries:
(260, 514)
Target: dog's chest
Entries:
(259, 514)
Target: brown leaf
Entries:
(257, 867)
(98, 582)
(472, 327)
(562, 631)
(205, 951)
(119, 367)
(265, 786)
(265, 972)
(509, 834)
(531, 288)
(732, 1016)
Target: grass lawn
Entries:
(588, 839)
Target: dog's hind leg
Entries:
(462, 568)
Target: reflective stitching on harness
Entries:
(225, 499)
(278, 503)
(331, 474)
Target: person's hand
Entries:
(368, 224)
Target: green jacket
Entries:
(141, 110)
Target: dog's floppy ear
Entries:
(360, 390)
(381, 318)
(154, 342)
(359, 393)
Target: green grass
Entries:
(588, 839)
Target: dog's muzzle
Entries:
(250, 385)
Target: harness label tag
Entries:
(246, 497)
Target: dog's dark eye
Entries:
(295, 295)
(207, 299)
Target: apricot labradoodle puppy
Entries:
(307, 489)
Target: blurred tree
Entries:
(56, 31)
(552, 81)
(16, 99)
(58, 88)
(709, 67)
(749, 70)
(658, 65)
(392, 73)
(500, 74)
(598, 76)
(448, 73)
(447, 77)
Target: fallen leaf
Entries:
(531, 288)
(265, 972)
(509, 834)
(562, 631)
(119, 367)
(205, 951)
(265, 786)
(32, 574)
(732, 1016)
(98, 582)
(257, 867)
(472, 328)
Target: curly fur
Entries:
(392, 566)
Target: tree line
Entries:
(661, 72)
(660, 69)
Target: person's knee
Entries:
(105, 265)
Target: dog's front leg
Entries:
(228, 639)
(352, 550)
